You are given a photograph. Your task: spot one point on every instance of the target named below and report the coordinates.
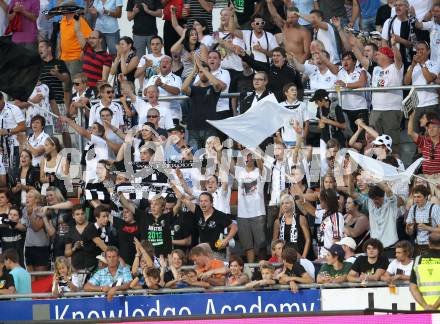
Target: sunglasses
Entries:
(110, 91)
(260, 23)
(152, 116)
(76, 83)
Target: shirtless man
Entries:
(296, 38)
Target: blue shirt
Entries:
(107, 24)
(369, 8)
(22, 281)
(104, 278)
(54, 3)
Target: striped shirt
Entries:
(56, 90)
(430, 153)
(93, 62)
(197, 12)
(421, 216)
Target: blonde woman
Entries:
(63, 278)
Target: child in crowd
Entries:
(267, 273)
(64, 280)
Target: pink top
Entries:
(29, 28)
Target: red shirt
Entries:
(429, 151)
(167, 11)
(93, 63)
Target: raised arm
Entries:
(179, 29)
(411, 132)
(278, 20)
(81, 131)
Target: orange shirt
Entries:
(213, 264)
(69, 44)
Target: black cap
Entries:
(337, 250)
(178, 128)
(319, 95)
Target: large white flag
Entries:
(383, 171)
(261, 121)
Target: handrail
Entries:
(306, 92)
(203, 290)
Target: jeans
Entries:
(141, 43)
(197, 138)
(368, 24)
(74, 67)
(110, 42)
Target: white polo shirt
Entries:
(174, 81)
(10, 116)
(225, 77)
(356, 100)
(426, 97)
(301, 115)
(118, 115)
(100, 153)
(388, 77)
(267, 41)
(142, 107)
(319, 80)
(36, 142)
(434, 36)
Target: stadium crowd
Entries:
(218, 209)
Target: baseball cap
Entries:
(337, 250)
(319, 95)
(384, 140)
(347, 241)
(178, 128)
(434, 121)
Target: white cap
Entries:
(384, 140)
(348, 241)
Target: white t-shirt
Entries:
(327, 37)
(318, 80)
(231, 60)
(395, 28)
(174, 81)
(267, 41)
(301, 115)
(152, 70)
(426, 97)
(356, 100)
(396, 265)
(388, 77)
(208, 41)
(101, 153)
(4, 18)
(250, 193)
(118, 115)
(434, 36)
(222, 199)
(42, 108)
(10, 116)
(225, 77)
(36, 142)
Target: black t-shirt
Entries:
(6, 280)
(330, 131)
(332, 8)
(361, 265)
(62, 221)
(126, 234)
(203, 107)
(431, 257)
(209, 230)
(383, 13)
(84, 257)
(56, 90)
(296, 271)
(12, 239)
(156, 231)
(182, 225)
(143, 23)
(168, 276)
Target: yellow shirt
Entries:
(69, 44)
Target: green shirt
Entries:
(332, 272)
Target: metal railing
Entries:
(203, 290)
